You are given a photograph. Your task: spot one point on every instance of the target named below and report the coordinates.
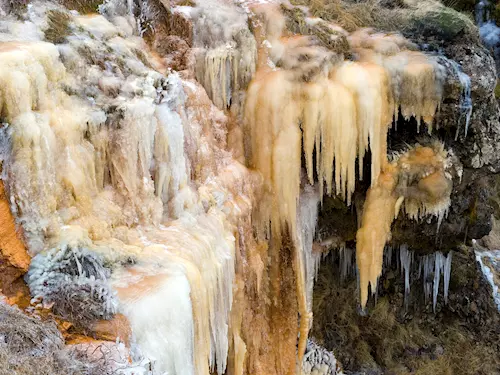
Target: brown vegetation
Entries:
(423, 17)
(82, 6)
(30, 346)
(458, 340)
(58, 26)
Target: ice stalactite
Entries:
(406, 258)
(347, 262)
(307, 260)
(417, 180)
(226, 51)
(379, 212)
(465, 103)
(431, 267)
(427, 269)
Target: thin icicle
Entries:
(438, 267)
(447, 274)
(406, 258)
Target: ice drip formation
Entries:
(188, 201)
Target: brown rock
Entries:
(173, 48)
(110, 330)
(14, 259)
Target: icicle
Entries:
(428, 269)
(406, 258)
(375, 231)
(438, 267)
(447, 274)
(306, 227)
(347, 266)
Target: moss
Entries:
(497, 90)
(58, 26)
(443, 23)
(380, 14)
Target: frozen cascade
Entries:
(95, 157)
(289, 112)
(226, 51)
(108, 150)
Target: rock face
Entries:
(14, 259)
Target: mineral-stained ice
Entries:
(419, 181)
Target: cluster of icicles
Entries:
(429, 269)
(103, 152)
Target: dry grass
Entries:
(58, 26)
(354, 15)
(189, 3)
(82, 6)
(29, 346)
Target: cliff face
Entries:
(189, 201)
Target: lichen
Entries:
(497, 90)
